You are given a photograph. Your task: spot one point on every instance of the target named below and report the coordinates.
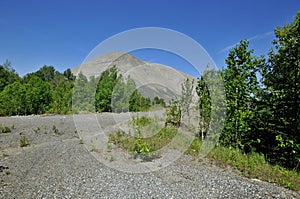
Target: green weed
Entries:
(23, 141)
(4, 129)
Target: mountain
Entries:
(151, 79)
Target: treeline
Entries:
(49, 91)
(262, 98)
(110, 92)
(44, 91)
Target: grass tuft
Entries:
(4, 129)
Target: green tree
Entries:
(108, 80)
(204, 105)
(7, 75)
(46, 73)
(12, 100)
(38, 96)
(83, 98)
(121, 95)
(241, 87)
(69, 75)
(62, 97)
(281, 77)
(138, 102)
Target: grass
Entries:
(93, 148)
(141, 121)
(81, 141)
(4, 129)
(251, 165)
(23, 141)
(56, 131)
(36, 130)
(143, 147)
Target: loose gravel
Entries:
(57, 165)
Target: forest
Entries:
(262, 96)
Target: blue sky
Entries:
(62, 33)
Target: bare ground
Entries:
(56, 164)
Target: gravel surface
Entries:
(57, 165)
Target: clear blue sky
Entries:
(62, 32)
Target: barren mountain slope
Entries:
(151, 79)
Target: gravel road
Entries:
(57, 165)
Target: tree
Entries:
(122, 93)
(38, 96)
(12, 100)
(281, 77)
(158, 101)
(119, 97)
(186, 98)
(241, 89)
(7, 75)
(204, 105)
(46, 73)
(108, 80)
(84, 93)
(138, 102)
(69, 75)
(62, 97)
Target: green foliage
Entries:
(62, 96)
(13, 100)
(140, 147)
(43, 91)
(38, 96)
(204, 105)
(4, 129)
(254, 165)
(121, 95)
(251, 165)
(138, 102)
(142, 121)
(81, 141)
(105, 87)
(241, 88)
(23, 140)
(7, 75)
(84, 94)
(173, 114)
(46, 73)
(158, 101)
(114, 94)
(144, 147)
(281, 77)
(55, 130)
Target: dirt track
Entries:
(57, 165)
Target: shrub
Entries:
(23, 140)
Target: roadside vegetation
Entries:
(252, 165)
